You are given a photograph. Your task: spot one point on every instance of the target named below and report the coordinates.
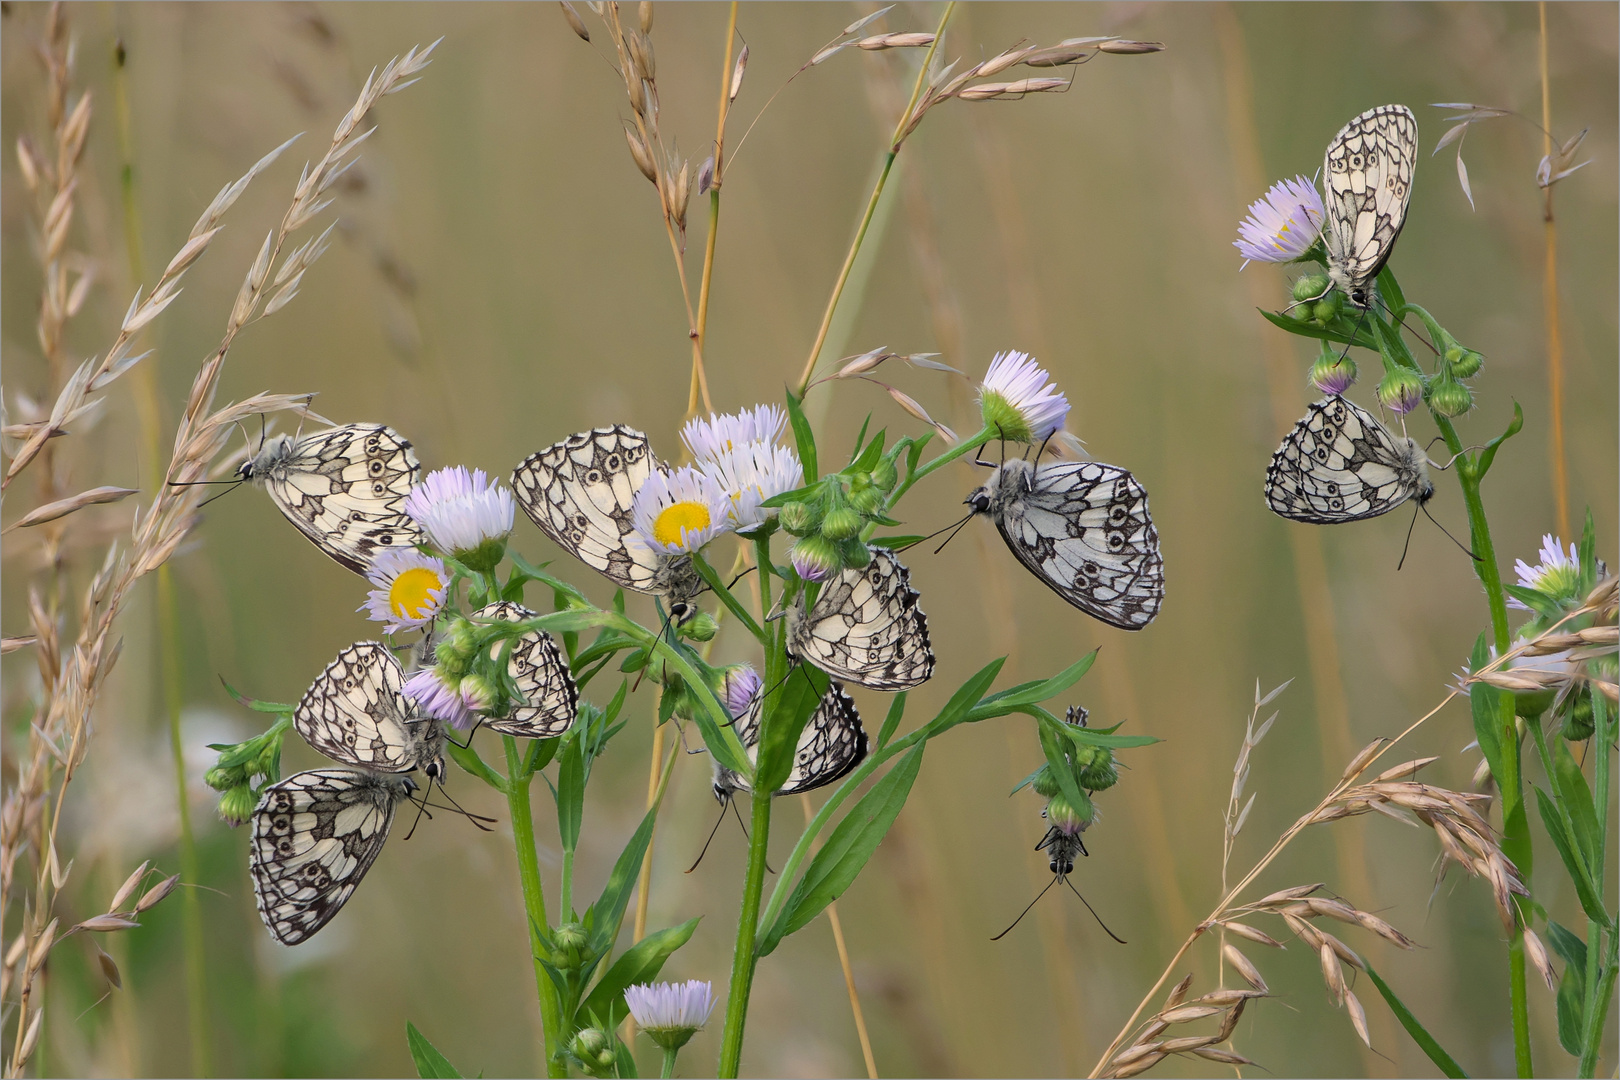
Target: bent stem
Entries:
(743, 960)
(518, 777)
(1470, 471)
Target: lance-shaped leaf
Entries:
(638, 964)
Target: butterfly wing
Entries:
(1339, 464)
(356, 712)
(345, 489)
(542, 676)
(315, 834)
(866, 627)
(831, 745)
(1083, 528)
(1368, 170)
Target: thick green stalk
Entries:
(743, 959)
(1515, 822)
(534, 901)
(1599, 990)
(670, 1054)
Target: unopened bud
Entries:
(1326, 309)
(225, 777)
(1310, 287)
(1578, 726)
(854, 554)
(1448, 397)
(702, 627)
(814, 558)
(867, 500)
(594, 1050)
(1333, 374)
(884, 475)
(799, 518)
(841, 523)
(1400, 391)
(236, 805)
(1099, 774)
(1467, 363)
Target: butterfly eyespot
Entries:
(1090, 568)
(375, 467)
(614, 463)
(348, 683)
(385, 539)
(1333, 489)
(284, 846)
(280, 824)
(1337, 504)
(1117, 515)
(379, 488)
(357, 516)
(1355, 161)
(593, 476)
(351, 738)
(1116, 540)
(1320, 453)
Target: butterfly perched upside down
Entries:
(1083, 528)
(1367, 172)
(866, 627)
(832, 744)
(1340, 463)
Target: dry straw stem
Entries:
(72, 677)
(1462, 832)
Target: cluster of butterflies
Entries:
(1340, 463)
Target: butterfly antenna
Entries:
(1093, 911)
(470, 734)
(978, 457)
(710, 840)
(640, 674)
(421, 809)
(1042, 450)
(793, 667)
(740, 822)
(476, 819)
(234, 485)
(1031, 904)
(960, 525)
(740, 576)
(1408, 543)
(1447, 531)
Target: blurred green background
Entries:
(500, 279)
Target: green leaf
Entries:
(1390, 289)
(784, 715)
(1487, 455)
(607, 914)
(860, 439)
(523, 571)
(870, 455)
(1037, 692)
(638, 964)
(541, 753)
(851, 844)
(1569, 947)
(805, 438)
(468, 759)
(1062, 768)
(897, 543)
(1572, 987)
(1311, 330)
(429, 1062)
(966, 697)
(1590, 896)
(891, 722)
(1586, 556)
(1536, 600)
(570, 793)
(1025, 782)
(255, 704)
(1487, 708)
(1569, 783)
(1420, 1035)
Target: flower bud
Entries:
(1326, 309)
(236, 805)
(702, 627)
(1448, 397)
(1065, 817)
(1310, 286)
(1578, 726)
(1046, 782)
(841, 523)
(1466, 365)
(224, 777)
(569, 938)
(1400, 390)
(867, 500)
(738, 685)
(799, 518)
(453, 646)
(478, 693)
(884, 475)
(1099, 774)
(814, 558)
(854, 554)
(1332, 374)
(594, 1050)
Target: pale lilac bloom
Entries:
(708, 439)
(670, 1008)
(460, 509)
(739, 685)
(434, 698)
(1554, 575)
(409, 589)
(1282, 225)
(751, 473)
(678, 512)
(1018, 397)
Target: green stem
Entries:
(986, 435)
(190, 870)
(1515, 822)
(670, 1054)
(534, 902)
(1599, 987)
(743, 959)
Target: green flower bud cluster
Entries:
(830, 517)
(239, 765)
(1094, 770)
(592, 1049)
(1578, 725)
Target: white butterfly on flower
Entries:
(344, 488)
(1367, 172)
(866, 627)
(541, 672)
(315, 834)
(832, 744)
(582, 491)
(1083, 528)
(1340, 463)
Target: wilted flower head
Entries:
(749, 474)
(463, 513)
(409, 589)
(721, 432)
(1557, 575)
(678, 512)
(1019, 399)
(670, 1013)
(1283, 224)
(739, 684)
(457, 705)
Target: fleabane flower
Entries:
(751, 473)
(1019, 399)
(409, 590)
(463, 513)
(1557, 575)
(456, 705)
(739, 685)
(1282, 225)
(678, 512)
(670, 1013)
(721, 432)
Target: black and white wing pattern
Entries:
(1368, 175)
(1083, 528)
(344, 488)
(541, 672)
(356, 712)
(866, 627)
(832, 744)
(315, 834)
(1340, 463)
(580, 492)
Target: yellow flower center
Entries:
(408, 595)
(675, 521)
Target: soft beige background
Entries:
(501, 280)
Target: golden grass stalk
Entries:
(72, 677)
(1549, 299)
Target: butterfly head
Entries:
(271, 453)
(1062, 847)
